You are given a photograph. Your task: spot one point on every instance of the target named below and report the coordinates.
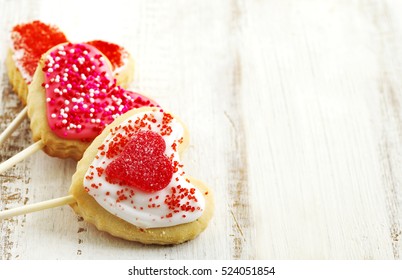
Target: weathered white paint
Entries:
(294, 112)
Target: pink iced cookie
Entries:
(80, 97)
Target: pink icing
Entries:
(81, 96)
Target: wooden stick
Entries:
(57, 202)
(13, 125)
(21, 156)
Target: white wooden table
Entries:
(294, 111)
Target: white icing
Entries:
(119, 69)
(147, 217)
(17, 57)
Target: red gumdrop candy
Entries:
(142, 164)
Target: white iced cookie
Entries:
(29, 41)
(131, 183)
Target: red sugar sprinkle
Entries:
(115, 53)
(174, 145)
(142, 164)
(179, 199)
(100, 171)
(119, 142)
(35, 38)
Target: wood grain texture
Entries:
(295, 119)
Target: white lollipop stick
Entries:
(57, 202)
(21, 156)
(13, 125)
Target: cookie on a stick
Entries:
(131, 182)
(29, 41)
(72, 97)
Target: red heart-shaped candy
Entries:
(142, 164)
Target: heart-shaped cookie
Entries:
(174, 214)
(29, 41)
(73, 96)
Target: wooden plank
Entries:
(14, 183)
(294, 115)
(388, 123)
(190, 77)
(312, 73)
